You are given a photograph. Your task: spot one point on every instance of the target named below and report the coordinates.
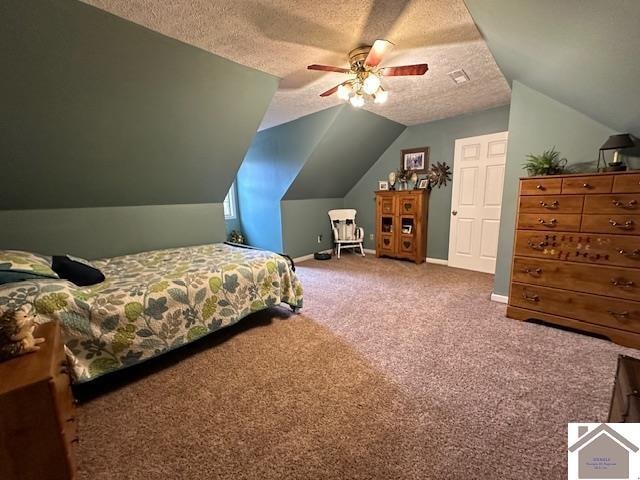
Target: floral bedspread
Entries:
(155, 301)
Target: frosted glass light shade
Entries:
(343, 92)
(357, 100)
(381, 96)
(371, 84)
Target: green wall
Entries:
(295, 172)
(303, 221)
(111, 231)
(101, 112)
(272, 163)
(582, 53)
(537, 123)
(346, 150)
(440, 136)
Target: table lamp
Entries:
(614, 142)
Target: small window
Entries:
(230, 203)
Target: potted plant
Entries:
(549, 163)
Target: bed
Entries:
(156, 301)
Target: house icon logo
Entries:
(602, 451)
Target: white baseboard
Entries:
(438, 261)
(370, 251)
(499, 298)
(310, 256)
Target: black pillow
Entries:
(80, 273)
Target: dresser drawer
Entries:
(590, 184)
(615, 313)
(540, 186)
(611, 281)
(551, 203)
(549, 221)
(621, 223)
(627, 183)
(618, 204)
(619, 250)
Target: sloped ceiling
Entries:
(349, 147)
(581, 53)
(98, 111)
(282, 37)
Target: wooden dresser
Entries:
(37, 421)
(576, 256)
(401, 224)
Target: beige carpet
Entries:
(393, 371)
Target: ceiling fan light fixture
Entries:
(344, 92)
(357, 100)
(381, 96)
(371, 83)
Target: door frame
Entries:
(454, 187)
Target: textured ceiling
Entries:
(581, 53)
(281, 37)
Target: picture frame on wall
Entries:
(415, 159)
(383, 185)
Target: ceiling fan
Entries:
(365, 74)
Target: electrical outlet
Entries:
(319, 238)
(371, 236)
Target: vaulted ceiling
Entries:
(583, 54)
(282, 37)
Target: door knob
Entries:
(455, 212)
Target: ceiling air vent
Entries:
(459, 76)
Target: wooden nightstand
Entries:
(37, 419)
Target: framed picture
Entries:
(406, 229)
(415, 159)
(423, 183)
(383, 185)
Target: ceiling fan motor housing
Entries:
(357, 56)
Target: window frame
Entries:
(231, 200)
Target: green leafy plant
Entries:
(549, 163)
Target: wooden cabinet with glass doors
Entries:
(401, 224)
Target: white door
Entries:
(478, 177)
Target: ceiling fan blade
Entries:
(331, 91)
(378, 50)
(419, 69)
(328, 68)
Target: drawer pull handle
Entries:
(631, 204)
(621, 282)
(587, 185)
(634, 254)
(537, 246)
(548, 223)
(75, 440)
(628, 225)
(534, 272)
(619, 314)
(551, 206)
(530, 298)
(540, 187)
